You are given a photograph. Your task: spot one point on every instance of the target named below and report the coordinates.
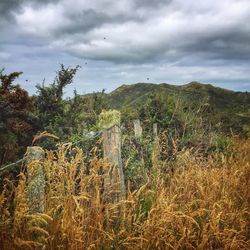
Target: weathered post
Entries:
(36, 179)
(138, 135)
(114, 178)
(114, 186)
(137, 128)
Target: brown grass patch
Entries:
(203, 205)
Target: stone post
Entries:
(137, 128)
(36, 179)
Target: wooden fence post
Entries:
(36, 179)
(137, 128)
(114, 178)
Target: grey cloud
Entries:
(227, 45)
(167, 40)
(229, 42)
(89, 19)
(234, 45)
(9, 7)
(151, 4)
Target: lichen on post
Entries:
(109, 118)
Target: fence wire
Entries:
(91, 135)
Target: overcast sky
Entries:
(127, 41)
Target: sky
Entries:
(127, 41)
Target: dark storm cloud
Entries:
(229, 45)
(90, 19)
(8, 7)
(85, 21)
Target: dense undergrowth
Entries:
(193, 202)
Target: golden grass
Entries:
(43, 135)
(204, 204)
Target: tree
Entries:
(49, 102)
(15, 118)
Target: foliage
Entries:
(15, 120)
(99, 102)
(50, 105)
(136, 155)
(49, 102)
(166, 111)
(83, 111)
(221, 107)
(68, 118)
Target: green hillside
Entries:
(229, 108)
(218, 97)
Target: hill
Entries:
(227, 107)
(219, 97)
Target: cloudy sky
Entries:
(127, 41)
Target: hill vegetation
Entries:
(228, 108)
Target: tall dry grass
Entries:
(203, 204)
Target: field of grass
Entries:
(202, 204)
